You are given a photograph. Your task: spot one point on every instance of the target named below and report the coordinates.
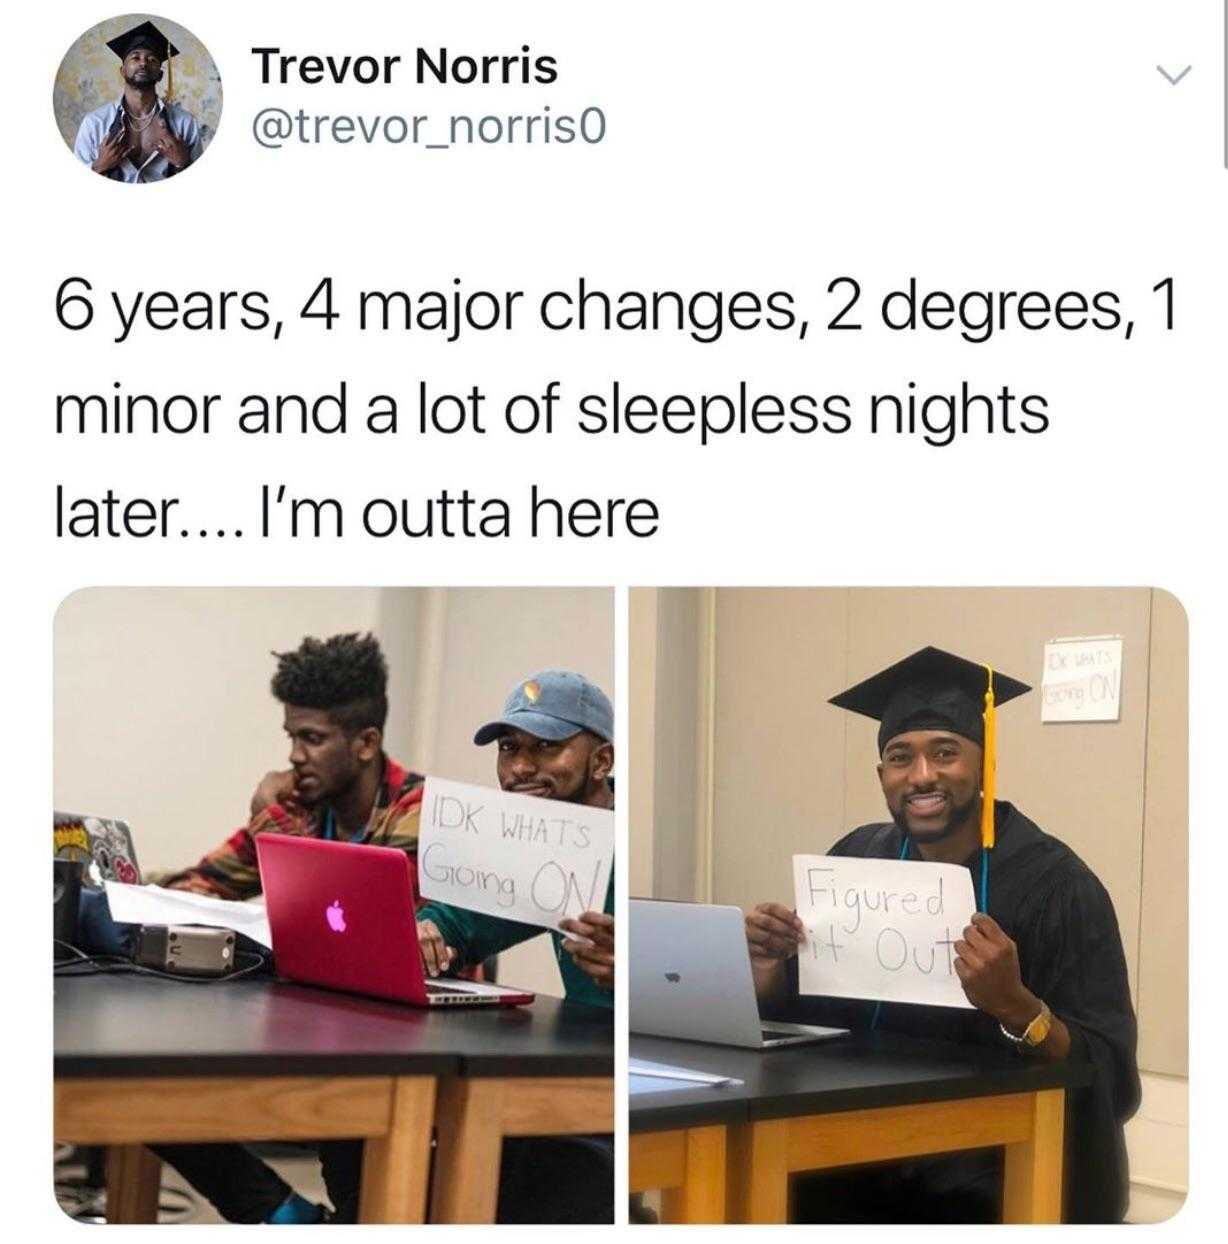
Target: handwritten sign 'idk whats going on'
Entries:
(533, 860)
(1082, 680)
(881, 929)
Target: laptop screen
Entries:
(102, 844)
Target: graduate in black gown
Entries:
(1042, 962)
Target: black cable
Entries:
(96, 965)
(70, 947)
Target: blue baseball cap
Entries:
(554, 704)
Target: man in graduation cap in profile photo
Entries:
(140, 137)
(1041, 962)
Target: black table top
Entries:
(858, 1072)
(124, 1025)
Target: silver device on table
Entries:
(691, 979)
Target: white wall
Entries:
(1158, 1141)
(163, 716)
(162, 707)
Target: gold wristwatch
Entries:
(1035, 1033)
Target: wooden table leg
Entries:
(701, 1196)
(134, 1179)
(396, 1166)
(1032, 1189)
(758, 1172)
(469, 1143)
(472, 1116)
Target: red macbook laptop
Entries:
(342, 916)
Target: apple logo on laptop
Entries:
(673, 977)
(336, 916)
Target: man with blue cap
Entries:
(555, 740)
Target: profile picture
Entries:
(138, 98)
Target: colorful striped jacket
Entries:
(230, 871)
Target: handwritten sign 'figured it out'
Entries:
(881, 929)
(533, 860)
(1082, 680)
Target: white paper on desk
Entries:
(151, 904)
(881, 929)
(516, 856)
(681, 1075)
(637, 1084)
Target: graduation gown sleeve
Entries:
(1073, 959)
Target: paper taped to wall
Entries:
(1082, 679)
(881, 929)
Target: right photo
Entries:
(908, 934)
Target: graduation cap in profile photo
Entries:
(147, 35)
(937, 690)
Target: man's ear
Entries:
(369, 741)
(878, 768)
(601, 762)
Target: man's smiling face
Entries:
(932, 782)
(568, 769)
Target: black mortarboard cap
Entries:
(930, 690)
(146, 35)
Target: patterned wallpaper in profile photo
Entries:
(89, 75)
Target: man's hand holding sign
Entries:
(987, 964)
(865, 929)
(591, 945)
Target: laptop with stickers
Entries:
(102, 845)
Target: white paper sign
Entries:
(1082, 680)
(533, 860)
(150, 904)
(881, 929)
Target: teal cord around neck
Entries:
(983, 906)
(330, 833)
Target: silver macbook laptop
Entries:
(691, 979)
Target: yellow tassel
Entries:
(990, 765)
(170, 74)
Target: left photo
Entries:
(333, 898)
